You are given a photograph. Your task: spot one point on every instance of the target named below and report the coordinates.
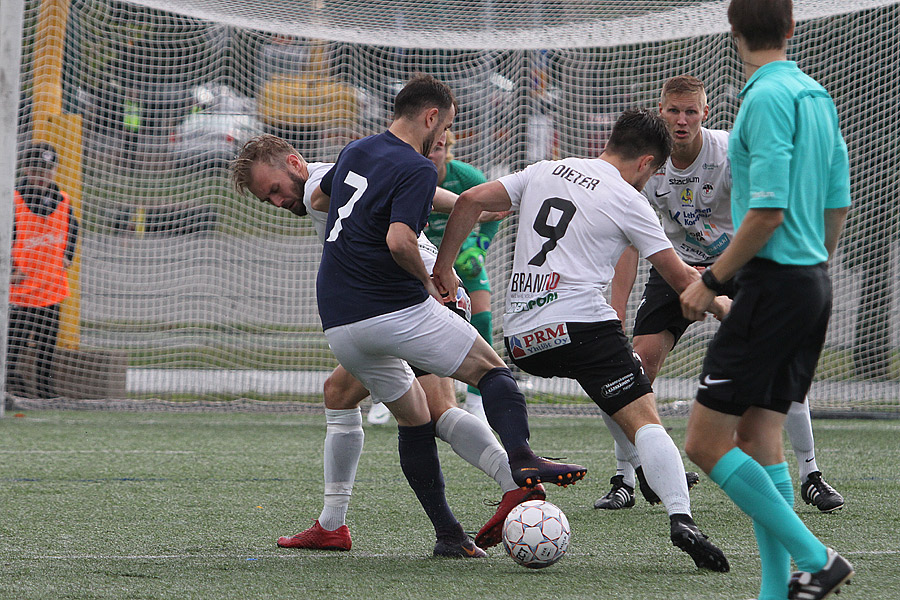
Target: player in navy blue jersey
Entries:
(381, 312)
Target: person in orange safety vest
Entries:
(45, 233)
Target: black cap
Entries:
(40, 155)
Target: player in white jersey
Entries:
(576, 216)
(467, 435)
(692, 194)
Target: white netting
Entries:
(202, 294)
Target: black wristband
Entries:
(710, 281)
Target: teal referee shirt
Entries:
(787, 152)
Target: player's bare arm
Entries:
(320, 200)
(834, 224)
(490, 196)
(404, 246)
(445, 200)
(623, 281)
(755, 231)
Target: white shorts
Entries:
(376, 350)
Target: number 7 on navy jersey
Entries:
(553, 233)
(359, 183)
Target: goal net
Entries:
(183, 291)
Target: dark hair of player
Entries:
(639, 132)
(422, 92)
(763, 24)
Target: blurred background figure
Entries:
(45, 233)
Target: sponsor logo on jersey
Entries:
(617, 386)
(518, 307)
(689, 218)
(708, 190)
(538, 340)
(709, 166)
(533, 282)
(683, 180)
(713, 249)
(687, 197)
(48, 239)
(666, 193)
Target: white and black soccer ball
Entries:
(536, 534)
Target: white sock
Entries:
(475, 443)
(624, 466)
(799, 429)
(663, 468)
(625, 450)
(343, 446)
(475, 406)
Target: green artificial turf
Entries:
(188, 505)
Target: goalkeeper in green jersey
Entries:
(457, 176)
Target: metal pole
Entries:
(11, 19)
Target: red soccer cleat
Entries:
(318, 538)
(492, 532)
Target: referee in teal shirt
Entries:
(790, 196)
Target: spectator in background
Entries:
(45, 233)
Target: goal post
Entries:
(192, 293)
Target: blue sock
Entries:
(419, 462)
(504, 406)
(750, 487)
(776, 562)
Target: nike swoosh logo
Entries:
(811, 459)
(710, 381)
(469, 552)
(658, 195)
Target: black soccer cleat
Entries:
(650, 496)
(816, 491)
(454, 546)
(821, 584)
(530, 471)
(686, 536)
(620, 496)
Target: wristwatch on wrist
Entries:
(710, 281)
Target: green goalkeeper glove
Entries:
(470, 262)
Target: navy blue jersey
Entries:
(376, 181)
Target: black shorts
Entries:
(596, 355)
(766, 351)
(660, 308)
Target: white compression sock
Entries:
(623, 466)
(475, 406)
(343, 446)
(626, 453)
(475, 443)
(799, 429)
(663, 468)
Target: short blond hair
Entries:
(683, 84)
(269, 149)
(448, 143)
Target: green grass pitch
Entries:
(165, 505)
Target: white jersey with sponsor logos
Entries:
(695, 203)
(576, 216)
(317, 171)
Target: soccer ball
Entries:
(536, 534)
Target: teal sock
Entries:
(483, 322)
(776, 562)
(750, 487)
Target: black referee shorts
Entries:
(597, 356)
(766, 351)
(660, 308)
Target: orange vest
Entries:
(38, 252)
